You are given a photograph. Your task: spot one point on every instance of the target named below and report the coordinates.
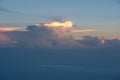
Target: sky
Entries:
(97, 14)
(102, 15)
(59, 40)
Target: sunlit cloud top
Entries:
(65, 24)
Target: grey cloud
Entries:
(47, 39)
(90, 41)
(96, 42)
(115, 43)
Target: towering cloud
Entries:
(58, 33)
(53, 34)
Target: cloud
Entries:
(9, 11)
(4, 29)
(52, 35)
(44, 35)
(90, 41)
(79, 31)
(96, 42)
(114, 43)
(66, 24)
(58, 33)
(5, 41)
(19, 13)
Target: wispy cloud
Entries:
(76, 68)
(19, 13)
(10, 11)
(78, 31)
(4, 29)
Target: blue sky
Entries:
(96, 14)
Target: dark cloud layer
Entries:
(88, 64)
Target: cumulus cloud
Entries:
(50, 35)
(58, 33)
(45, 35)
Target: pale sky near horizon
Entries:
(101, 15)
